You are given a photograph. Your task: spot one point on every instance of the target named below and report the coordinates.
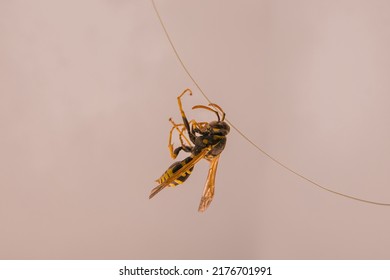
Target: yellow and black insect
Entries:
(206, 140)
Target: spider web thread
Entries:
(278, 162)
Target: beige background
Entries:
(86, 90)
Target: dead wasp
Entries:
(206, 140)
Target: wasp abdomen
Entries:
(172, 171)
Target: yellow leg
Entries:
(181, 132)
(179, 101)
(200, 125)
(181, 136)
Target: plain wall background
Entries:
(86, 90)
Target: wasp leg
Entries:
(176, 152)
(184, 117)
(181, 132)
(198, 127)
(183, 146)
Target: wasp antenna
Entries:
(219, 108)
(206, 108)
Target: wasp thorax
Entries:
(219, 127)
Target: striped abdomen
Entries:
(172, 171)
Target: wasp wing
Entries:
(208, 192)
(179, 172)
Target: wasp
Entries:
(205, 141)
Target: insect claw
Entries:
(186, 90)
(190, 91)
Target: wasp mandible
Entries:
(206, 140)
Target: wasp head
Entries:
(219, 128)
